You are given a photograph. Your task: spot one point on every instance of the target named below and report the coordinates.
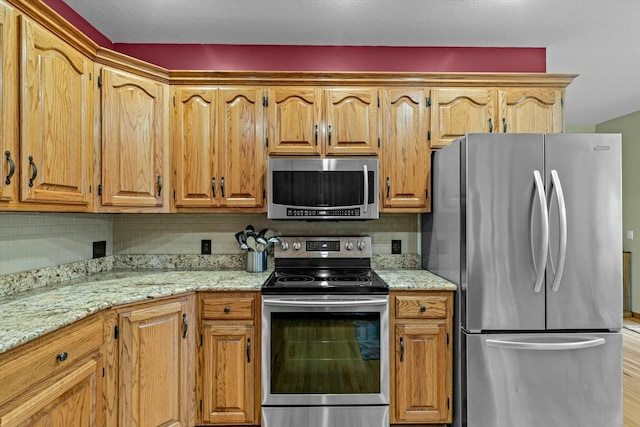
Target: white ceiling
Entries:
(598, 39)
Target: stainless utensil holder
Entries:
(256, 262)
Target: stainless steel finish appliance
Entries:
(325, 329)
(321, 189)
(529, 227)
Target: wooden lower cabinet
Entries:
(55, 381)
(229, 386)
(156, 364)
(421, 359)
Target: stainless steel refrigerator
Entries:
(529, 227)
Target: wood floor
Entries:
(631, 377)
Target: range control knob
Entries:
(296, 246)
(284, 245)
(348, 246)
(362, 245)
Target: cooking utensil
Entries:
(251, 243)
(273, 240)
(242, 239)
(249, 231)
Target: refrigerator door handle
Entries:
(544, 247)
(562, 212)
(526, 345)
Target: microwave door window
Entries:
(321, 189)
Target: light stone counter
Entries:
(401, 279)
(30, 314)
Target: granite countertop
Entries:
(31, 314)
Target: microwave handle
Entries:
(366, 188)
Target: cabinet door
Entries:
(155, 385)
(56, 119)
(8, 104)
(530, 110)
(421, 370)
(241, 147)
(405, 153)
(228, 374)
(71, 400)
(455, 112)
(134, 144)
(194, 139)
(295, 120)
(351, 121)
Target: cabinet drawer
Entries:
(421, 307)
(228, 308)
(24, 369)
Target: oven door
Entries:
(321, 189)
(325, 350)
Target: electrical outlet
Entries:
(205, 247)
(100, 249)
(396, 246)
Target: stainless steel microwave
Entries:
(323, 189)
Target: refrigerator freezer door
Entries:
(551, 380)
(503, 216)
(587, 171)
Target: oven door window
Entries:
(321, 188)
(325, 353)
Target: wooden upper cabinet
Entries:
(315, 121)
(56, 119)
(352, 121)
(536, 110)
(455, 112)
(219, 147)
(295, 115)
(241, 147)
(405, 156)
(134, 141)
(194, 146)
(9, 155)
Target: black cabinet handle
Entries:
(504, 125)
(185, 325)
(490, 125)
(388, 187)
(227, 309)
(62, 356)
(423, 308)
(329, 134)
(248, 350)
(35, 171)
(316, 133)
(222, 186)
(159, 186)
(401, 349)
(213, 186)
(12, 167)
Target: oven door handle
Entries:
(325, 303)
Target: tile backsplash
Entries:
(31, 241)
(182, 233)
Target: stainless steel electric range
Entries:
(325, 329)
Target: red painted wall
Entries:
(338, 58)
(79, 22)
(318, 58)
